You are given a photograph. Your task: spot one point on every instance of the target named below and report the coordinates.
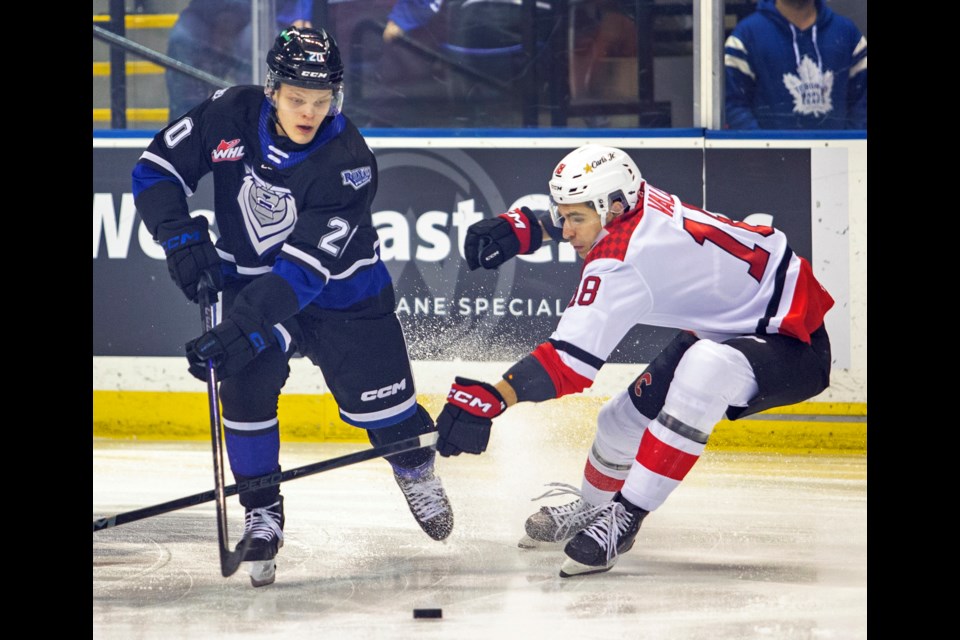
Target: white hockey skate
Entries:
(265, 526)
(552, 525)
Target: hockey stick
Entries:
(401, 446)
(229, 560)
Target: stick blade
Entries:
(230, 560)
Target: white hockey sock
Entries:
(601, 478)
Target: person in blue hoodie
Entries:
(795, 64)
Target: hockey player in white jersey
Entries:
(751, 337)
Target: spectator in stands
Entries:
(407, 15)
(485, 36)
(796, 64)
(604, 32)
(215, 36)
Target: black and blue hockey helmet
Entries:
(306, 57)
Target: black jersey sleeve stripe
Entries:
(779, 282)
(578, 353)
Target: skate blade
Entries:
(262, 572)
(526, 542)
(572, 568)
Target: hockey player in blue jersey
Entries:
(299, 269)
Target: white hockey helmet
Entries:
(598, 175)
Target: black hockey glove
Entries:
(189, 253)
(231, 345)
(490, 243)
(464, 424)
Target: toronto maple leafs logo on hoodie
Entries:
(810, 88)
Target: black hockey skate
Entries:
(428, 503)
(265, 526)
(556, 524)
(596, 548)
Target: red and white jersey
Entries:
(669, 264)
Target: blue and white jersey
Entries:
(779, 77)
(300, 211)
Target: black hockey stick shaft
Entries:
(229, 559)
(401, 446)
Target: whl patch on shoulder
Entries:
(356, 178)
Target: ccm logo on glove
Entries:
(464, 424)
(190, 255)
(182, 240)
(478, 406)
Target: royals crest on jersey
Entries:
(269, 211)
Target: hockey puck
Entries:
(428, 613)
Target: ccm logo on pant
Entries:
(389, 390)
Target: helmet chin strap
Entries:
(276, 121)
(273, 111)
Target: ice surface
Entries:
(749, 546)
